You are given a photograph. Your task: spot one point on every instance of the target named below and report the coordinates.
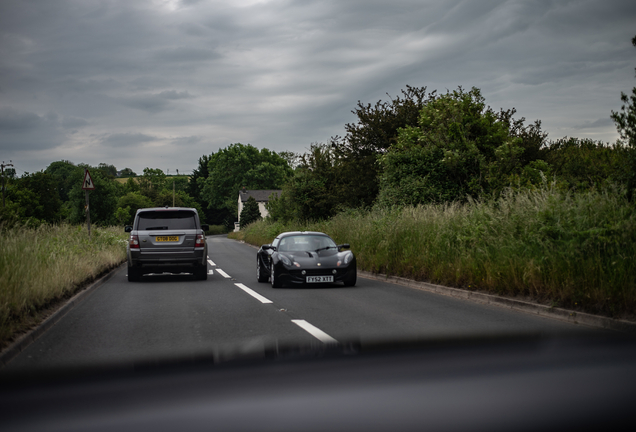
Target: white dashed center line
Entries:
(314, 331)
(253, 293)
(311, 329)
(222, 273)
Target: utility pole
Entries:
(3, 188)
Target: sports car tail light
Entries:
(200, 241)
(133, 242)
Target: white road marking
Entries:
(211, 263)
(253, 293)
(210, 272)
(315, 331)
(222, 273)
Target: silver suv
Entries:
(169, 239)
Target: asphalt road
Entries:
(177, 316)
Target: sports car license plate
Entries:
(167, 238)
(319, 279)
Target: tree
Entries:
(127, 172)
(309, 193)
(33, 197)
(196, 182)
(375, 132)
(152, 182)
(582, 164)
(108, 170)
(65, 174)
(250, 212)
(131, 202)
(460, 147)
(625, 121)
(233, 168)
(103, 201)
(131, 185)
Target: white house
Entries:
(261, 197)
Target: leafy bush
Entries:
(217, 229)
(459, 148)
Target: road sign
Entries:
(88, 182)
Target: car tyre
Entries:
(201, 272)
(351, 281)
(134, 274)
(259, 271)
(275, 282)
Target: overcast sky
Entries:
(158, 83)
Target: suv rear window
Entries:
(166, 220)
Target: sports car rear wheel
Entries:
(259, 271)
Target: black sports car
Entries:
(296, 258)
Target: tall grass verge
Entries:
(566, 249)
(41, 265)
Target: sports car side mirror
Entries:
(205, 227)
(344, 246)
(128, 228)
(267, 247)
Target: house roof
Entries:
(259, 195)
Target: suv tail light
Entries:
(200, 241)
(134, 242)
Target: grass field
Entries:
(41, 266)
(569, 250)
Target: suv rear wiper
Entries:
(156, 228)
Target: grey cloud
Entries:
(186, 54)
(190, 2)
(196, 30)
(26, 122)
(148, 103)
(174, 95)
(127, 139)
(73, 122)
(187, 141)
(22, 130)
(149, 82)
(600, 123)
(284, 73)
(154, 103)
(12, 120)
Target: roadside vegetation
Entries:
(43, 265)
(573, 250)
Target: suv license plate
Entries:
(319, 279)
(168, 238)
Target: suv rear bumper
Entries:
(167, 261)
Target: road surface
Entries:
(231, 313)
